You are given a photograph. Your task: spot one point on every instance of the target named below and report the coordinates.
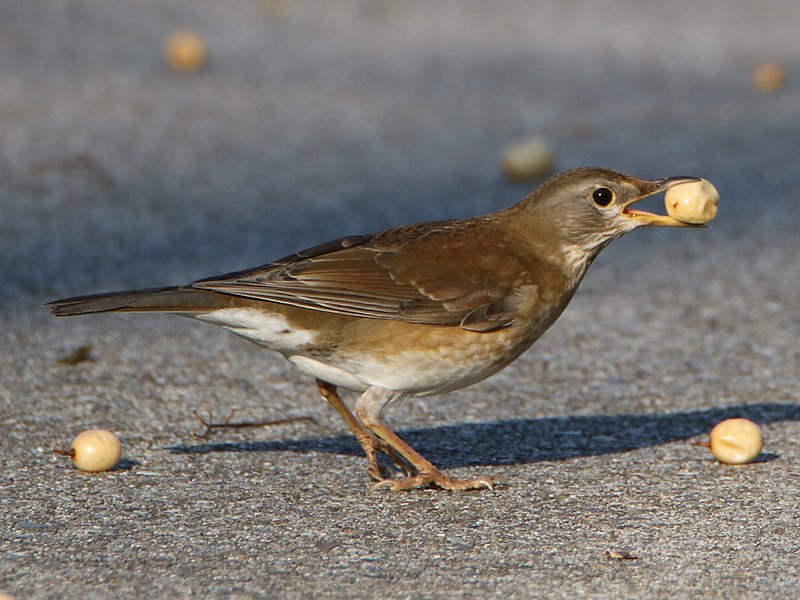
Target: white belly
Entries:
(431, 370)
(328, 372)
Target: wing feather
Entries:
(438, 275)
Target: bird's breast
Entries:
(417, 359)
(423, 360)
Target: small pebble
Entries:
(736, 441)
(77, 356)
(694, 203)
(769, 77)
(528, 160)
(96, 450)
(186, 51)
(620, 554)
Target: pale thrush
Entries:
(417, 310)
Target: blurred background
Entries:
(297, 121)
(155, 142)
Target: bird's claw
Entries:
(434, 479)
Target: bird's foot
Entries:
(372, 445)
(435, 479)
(370, 442)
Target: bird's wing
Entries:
(436, 274)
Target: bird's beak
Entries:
(650, 188)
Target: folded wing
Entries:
(443, 278)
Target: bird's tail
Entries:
(186, 300)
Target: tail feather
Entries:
(171, 299)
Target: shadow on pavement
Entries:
(516, 441)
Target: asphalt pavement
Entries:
(316, 120)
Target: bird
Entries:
(417, 310)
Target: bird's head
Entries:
(582, 210)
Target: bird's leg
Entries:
(365, 439)
(368, 441)
(368, 408)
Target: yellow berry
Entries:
(96, 450)
(528, 160)
(186, 51)
(694, 202)
(769, 77)
(736, 441)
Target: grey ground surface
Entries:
(314, 120)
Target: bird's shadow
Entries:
(519, 441)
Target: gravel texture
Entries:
(314, 120)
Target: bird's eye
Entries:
(603, 196)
